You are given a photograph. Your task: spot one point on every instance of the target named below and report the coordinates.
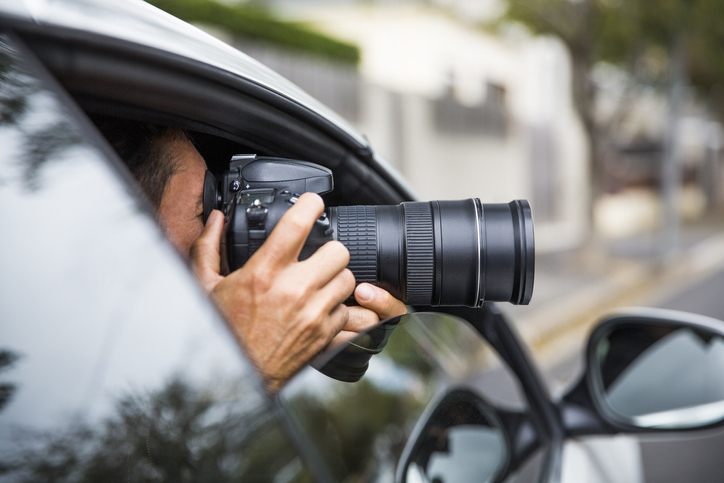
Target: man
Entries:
(282, 310)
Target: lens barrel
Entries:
(442, 253)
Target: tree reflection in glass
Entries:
(176, 433)
(359, 429)
(40, 132)
(7, 389)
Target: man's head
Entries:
(170, 172)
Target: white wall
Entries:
(418, 53)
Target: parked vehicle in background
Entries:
(114, 364)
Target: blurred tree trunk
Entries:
(576, 25)
(581, 45)
(637, 36)
(671, 162)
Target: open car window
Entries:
(113, 364)
(360, 405)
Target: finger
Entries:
(205, 259)
(361, 319)
(325, 264)
(342, 338)
(286, 240)
(325, 300)
(336, 321)
(379, 301)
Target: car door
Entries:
(113, 363)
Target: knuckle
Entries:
(200, 241)
(295, 293)
(340, 250)
(201, 244)
(311, 324)
(396, 307)
(262, 277)
(336, 253)
(297, 223)
(388, 301)
(343, 314)
(365, 318)
(348, 278)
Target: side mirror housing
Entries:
(650, 370)
(458, 438)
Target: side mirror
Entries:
(458, 438)
(657, 369)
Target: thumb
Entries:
(205, 258)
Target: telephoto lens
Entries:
(436, 253)
(442, 253)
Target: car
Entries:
(114, 365)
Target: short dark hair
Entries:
(143, 148)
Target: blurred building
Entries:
(460, 112)
(635, 116)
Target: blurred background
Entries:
(605, 114)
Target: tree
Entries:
(252, 20)
(637, 35)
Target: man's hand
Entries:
(282, 310)
(375, 305)
(205, 254)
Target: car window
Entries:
(360, 422)
(114, 366)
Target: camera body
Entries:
(255, 193)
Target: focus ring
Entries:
(420, 253)
(357, 230)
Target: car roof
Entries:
(138, 22)
(124, 23)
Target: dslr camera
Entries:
(434, 253)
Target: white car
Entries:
(114, 366)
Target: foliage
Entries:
(178, 433)
(252, 21)
(7, 390)
(636, 34)
(639, 36)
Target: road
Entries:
(682, 457)
(691, 457)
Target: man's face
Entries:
(182, 206)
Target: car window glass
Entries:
(113, 364)
(656, 375)
(360, 428)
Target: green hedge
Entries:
(254, 22)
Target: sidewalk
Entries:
(570, 296)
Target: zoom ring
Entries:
(420, 253)
(357, 230)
